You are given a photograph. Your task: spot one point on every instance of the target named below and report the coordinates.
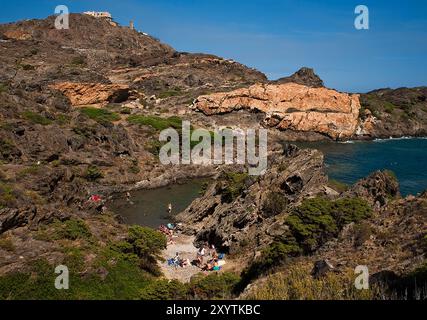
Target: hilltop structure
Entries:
(99, 14)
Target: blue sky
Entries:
(278, 36)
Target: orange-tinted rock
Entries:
(17, 35)
(92, 93)
(291, 106)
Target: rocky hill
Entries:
(80, 114)
(305, 76)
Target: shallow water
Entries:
(149, 207)
(351, 161)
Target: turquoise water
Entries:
(351, 161)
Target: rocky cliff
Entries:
(291, 106)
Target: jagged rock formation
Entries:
(244, 221)
(291, 107)
(92, 93)
(304, 76)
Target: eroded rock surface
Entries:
(92, 93)
(291, 106)
(233, 223)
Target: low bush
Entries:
(234, 185)
(274, 204)
(93, 173)
(36, 118)
(165, 290)
(7, 195)
(72, 229)
(311, 224)
(214, 286)
(102, 116)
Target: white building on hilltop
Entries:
(96, 14)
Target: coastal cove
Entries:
(149, 207)
(350, 161)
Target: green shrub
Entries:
(311, 224)
(165, 290)
(63, 119)
(123, 281)
(36, 118)
(101, 116)
(317, 220)
(214, 286)
(274, 204)
(7, 195)
(125, 110)
(93, 174)
(389, 107)
(72, 229)
(146, 244)
(234, 185)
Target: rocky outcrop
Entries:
(291, 106)
(304, 76)
(379, 188)
(12, 218)
(253, 217)
(92, 93)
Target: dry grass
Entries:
(296, 283)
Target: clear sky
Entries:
(278, 36)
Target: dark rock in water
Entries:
(305, 76)
(321, 268)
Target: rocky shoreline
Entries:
(84, 123)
